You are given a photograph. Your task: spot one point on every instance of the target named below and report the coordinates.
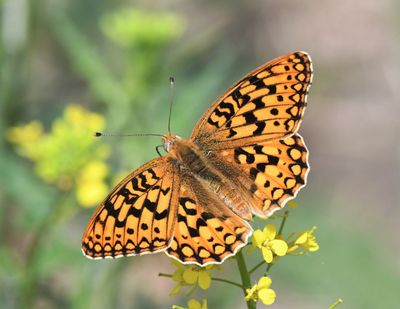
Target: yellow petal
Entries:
(279, 247)
(194, 304)
(204, 280)
(190, 276)
(301, 239)
(258, 238)
(251, 292)
(270, 231)
(267, 254)
(175, 290)
(292, 248)
(177, 264)
(267, 296)
(264, 283)
(177, 275)
(313, 246)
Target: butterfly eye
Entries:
(167, 146)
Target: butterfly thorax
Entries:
(186, 153)
(199, 163)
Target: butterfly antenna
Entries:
(171, 100)
(101, 134)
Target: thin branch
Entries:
(228, 281)
(256, 267)
(285, 216)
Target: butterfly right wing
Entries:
(139, 214)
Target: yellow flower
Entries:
(68, 155)
(190, 275)
(306, 241)
(125, 27)
(193, 304)
(28, 135)
(91, 187)
(261, 291)
(267, 242)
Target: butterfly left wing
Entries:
(267, 104)
(206, 231)
(139, 214)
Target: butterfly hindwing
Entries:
(267, 104)
(206, 231)
(272, 172)
(139, 214)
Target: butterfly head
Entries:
(169, 142)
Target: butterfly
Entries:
(243, 158)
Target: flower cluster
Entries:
(261, 291)
(305, 242)
(193, 304)
(68, 156)
(272, 246)
(191, 276)
(267, 241)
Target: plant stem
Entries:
(245, 276)
(227, 281)
(164, 275)
(285, 216)
(212, 278)
(256, 267)
(336, 303)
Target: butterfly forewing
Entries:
(139, 214)
(267, 104)
(206, 230)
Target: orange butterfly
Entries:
(244, 157)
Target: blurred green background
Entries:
(69, 68)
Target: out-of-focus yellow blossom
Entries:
(126, 27)
(29, 134)
(267, 242)
(91, 187)
(193, 304)
(261, 291)
(65, 154)
(190, 275)
(306, 242)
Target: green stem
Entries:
(256, 267)
(164, 275)
(228, 281)
(336, 303)
(285, 216)
(212, 278)
(245, 276)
